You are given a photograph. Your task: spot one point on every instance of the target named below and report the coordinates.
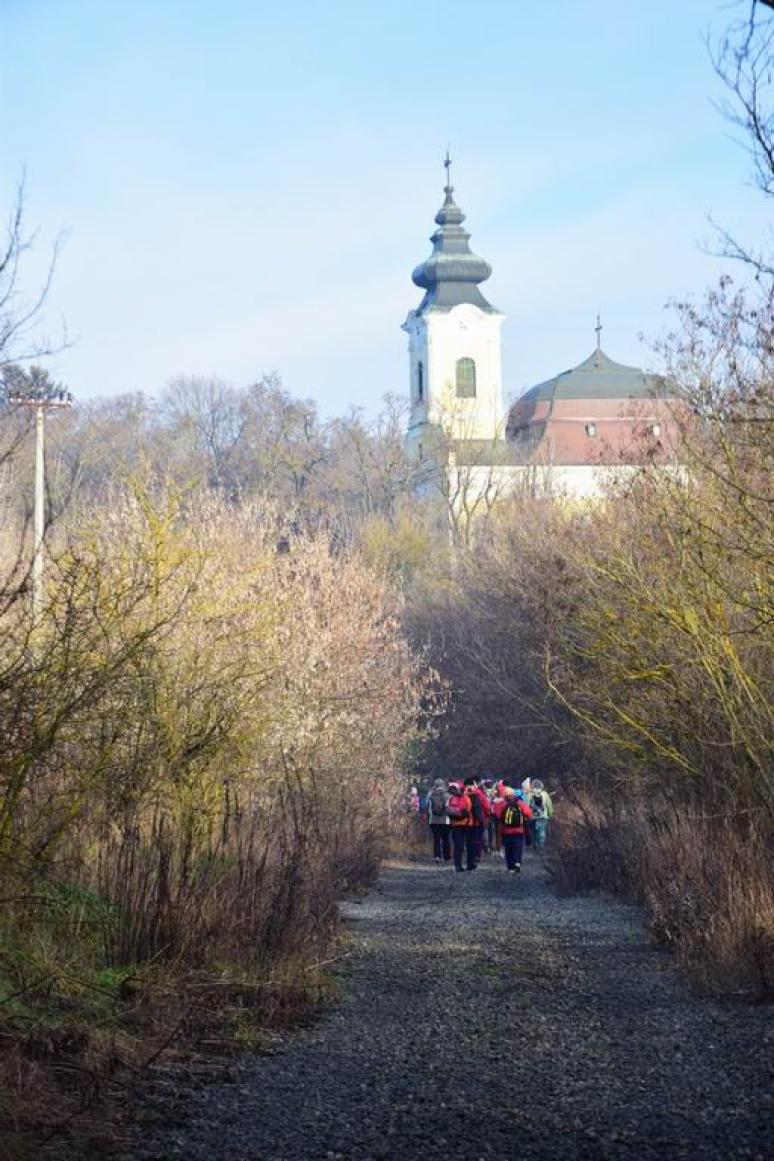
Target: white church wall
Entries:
(465, 332)
(437, 341)
(493, 483)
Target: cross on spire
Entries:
(447, 167)
(598, 329)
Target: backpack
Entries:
(538, 805)
(438, 804)
(458, 806)
(476, 809)
(486, 805)
(512, 815)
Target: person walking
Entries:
(497, 801)
(542, 811)
(491, 822)
(526, 790)
(480, 808)
(513, 813)
(439, 822)
(460, 811)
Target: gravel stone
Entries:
(484, 1017)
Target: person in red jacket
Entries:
(487, 785)
(478, 795)
(460, 811)
(513, 812)
(497, 801)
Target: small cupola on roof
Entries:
(600, 411)
(452, 273)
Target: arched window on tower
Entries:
(420, 381)
(466, 379)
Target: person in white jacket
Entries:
(542, 813)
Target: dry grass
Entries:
(165, 962)
(77, 1048)
(705, 882)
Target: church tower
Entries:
(454, 341)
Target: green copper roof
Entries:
(597, 377)
(450, 276)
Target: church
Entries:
(562, 436)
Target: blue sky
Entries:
(247, 186)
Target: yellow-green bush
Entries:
(207, 740)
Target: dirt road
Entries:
(483, 1017)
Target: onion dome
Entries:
(450, 276)
(596, 411)
(597, 377)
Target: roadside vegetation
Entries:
(205, 739)
(623, 651)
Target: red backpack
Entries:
(458, 807)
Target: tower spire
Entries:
(451, 274)
(448, 188)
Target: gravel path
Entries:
(483, 1017)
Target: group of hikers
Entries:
(478, 816)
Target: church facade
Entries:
(562, 436)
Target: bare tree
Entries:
(208, 415)
(469, 474)
(743, 60)
(20, 313)
(368, 470)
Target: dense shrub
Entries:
(207, 737)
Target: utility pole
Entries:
(42, 399)
(39, 526)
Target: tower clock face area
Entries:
(465, 316)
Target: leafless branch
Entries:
(20, 315)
